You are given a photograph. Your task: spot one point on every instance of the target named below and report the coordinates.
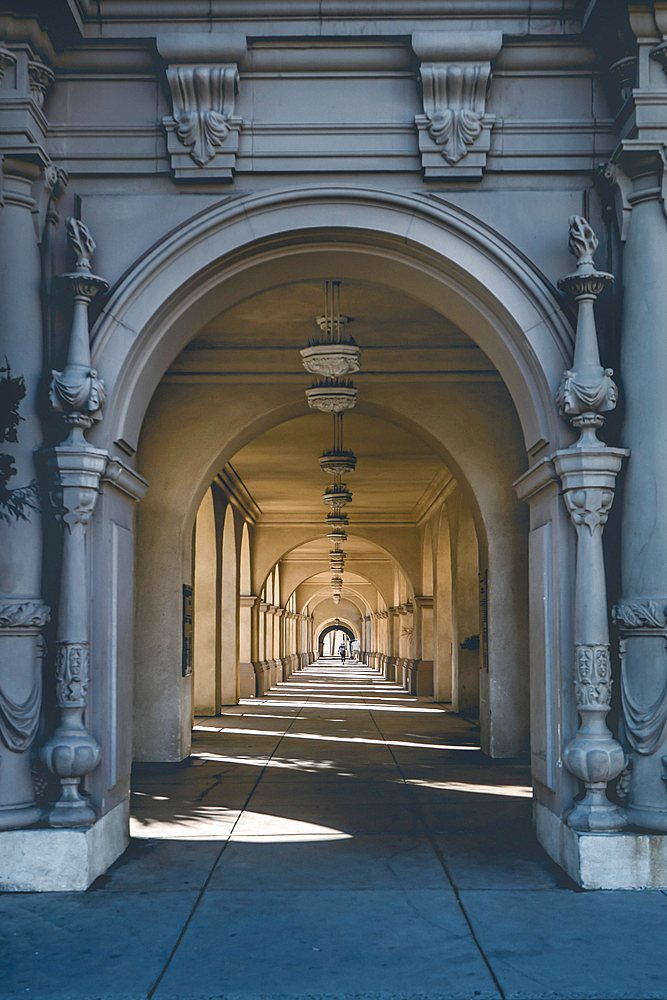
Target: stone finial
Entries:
(582, 242)
(587, 390)
(77, 392)
(81, 244)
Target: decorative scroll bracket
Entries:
(455, 130)
(203, 79)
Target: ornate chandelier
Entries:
(332, 357)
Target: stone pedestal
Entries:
(621, 860)
(62, 860)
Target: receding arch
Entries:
(497, 298)
(229, 613)
(205, 681)
(245, 566)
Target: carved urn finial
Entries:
(77, 392)
(587, 390)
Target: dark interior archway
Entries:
(327, 630)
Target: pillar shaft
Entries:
(22, 611)
(641, 610)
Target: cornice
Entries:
(238, 493)
(96, 13)
(437, 491)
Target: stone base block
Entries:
(604, 860)
(48, 860)
(247, 682)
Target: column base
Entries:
(62, 860)
(647, 819)
(247, 681)
(18, 817)
(603, 860)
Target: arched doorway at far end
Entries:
(333, 642)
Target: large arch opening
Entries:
(459, 368)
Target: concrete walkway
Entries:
(336, 839)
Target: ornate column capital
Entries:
(203, 80)
(247, 600)
(454, 130)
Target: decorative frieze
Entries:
(455, 130)
(588, 473)
(203, 80)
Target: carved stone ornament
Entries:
(41, 80)
(645, 720)
(331, 360)
(588, 473)
(587, 389)
(19, 720)
(331, 398)
(203, 80)
(77, 391)
(24, 615)
(455, 72)
(203, 99)
(7, 60)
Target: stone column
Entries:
(588, 471)
(78, 394)
(22, 611)
(421, 674)
(247, 679)
(642, 608)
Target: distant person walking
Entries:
(342, 651)
(355, 649)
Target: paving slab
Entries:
(188, 820)
(488, 861)
(85, 946)
(569, 945)
(365, 861)
(161, 865)
(327, 943)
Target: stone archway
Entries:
(444, 258)
(332, 628)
